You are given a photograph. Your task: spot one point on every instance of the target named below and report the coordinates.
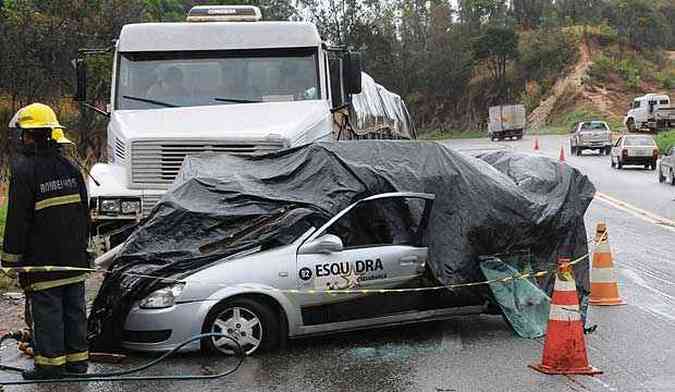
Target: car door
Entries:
(616, 150)
(374, 244)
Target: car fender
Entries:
(291, 311)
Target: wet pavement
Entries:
(633, 344)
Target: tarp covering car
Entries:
(219, 205)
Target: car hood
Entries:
(288, 120)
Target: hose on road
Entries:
(123, 374)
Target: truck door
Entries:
(376, 243)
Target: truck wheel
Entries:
(251, 323)
(601, 151)
(573, 150)
(652, 166)
(579, 151)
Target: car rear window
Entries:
(639, 141)
(594, 126)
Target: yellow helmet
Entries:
(59, 137)
(35, 115)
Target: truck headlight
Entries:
(162, 298)
(109, 206)
(119, 206)
(131, 206)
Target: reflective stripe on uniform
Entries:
(77, 357)
(49, 284)
(46, 361)
(11, 257)
(58, 201)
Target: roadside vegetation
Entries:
(5, 281)
(665, 141)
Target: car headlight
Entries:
(109, 206)
(163, 298)
(131, 206)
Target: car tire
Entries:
(608, 150)
(573, 150)
(662, 178)
(672, 177)
(611, 162)
(619, 165)
(579, 151)
(601, 151)
(243, 319)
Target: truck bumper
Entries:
(109, 228)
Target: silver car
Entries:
(260, 298)
(634, 150)
(591, 135)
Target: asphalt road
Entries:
(633, 344)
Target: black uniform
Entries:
(48, 225)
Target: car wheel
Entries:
(619, 165)
(672, 177)
(652, 166)
(662, 178)
(608, 150)
(601, 151)
(572, 150)
(579, 151)
(251, 323)
(611, 161)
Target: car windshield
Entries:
(594, 126)
(152, 80)
(639, 141)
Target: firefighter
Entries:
(48, 225)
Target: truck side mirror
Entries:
(81, 86)
(352, 68)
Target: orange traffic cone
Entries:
(536, 143)
(565, 345)
(604, 287)
(562, 154)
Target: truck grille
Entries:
(155, 164)
(149, 202)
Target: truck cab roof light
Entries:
(224, 13)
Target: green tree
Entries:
(495, 48)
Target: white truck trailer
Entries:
(506, 122)
(224, 81)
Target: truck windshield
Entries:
(152, 80)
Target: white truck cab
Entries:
(223, 81)
(651, 111)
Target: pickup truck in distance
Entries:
(591, 135)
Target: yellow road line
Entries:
(636, 211)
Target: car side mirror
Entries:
(81, 86)
(327, 243)
(352, 69)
